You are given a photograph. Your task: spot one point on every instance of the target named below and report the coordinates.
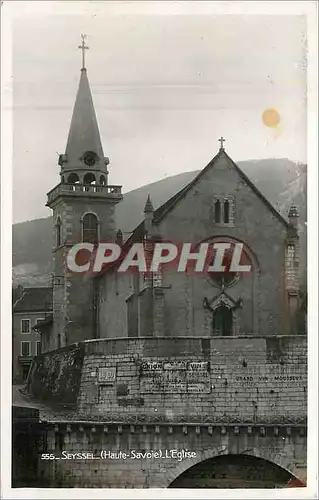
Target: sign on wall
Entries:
(181, 376)
(106, 375)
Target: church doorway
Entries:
(222, 321)
(234, 471)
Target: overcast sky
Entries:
(165, 88)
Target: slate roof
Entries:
(16, 293)
(84, 132)
(34, 300)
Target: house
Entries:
(32, 306)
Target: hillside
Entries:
(280, 180)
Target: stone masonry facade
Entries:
(210, 396)
(283, 446)
(265, 295)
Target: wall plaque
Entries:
(178, 376)
(106, 375)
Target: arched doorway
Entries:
(233, 471)
(223, 321)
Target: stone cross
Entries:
(221, 140)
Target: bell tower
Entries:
(83, 210)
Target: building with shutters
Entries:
(32, 306)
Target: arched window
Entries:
(102, 180)
(90, 228)
(226, 211)
(58, 228)
(73, 178)
(89, 178)
(217, 211)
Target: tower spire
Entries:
(84, 147)
(83, 47)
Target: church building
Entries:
(220, 204)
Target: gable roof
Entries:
(164, 209)
(161, 212)
(34, 300)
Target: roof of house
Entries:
(16, 293)
(34, 300)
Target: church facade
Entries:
(167, 361)
(220, 204)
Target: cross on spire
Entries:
(221, 140)
(83, 47)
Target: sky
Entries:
(165, 86)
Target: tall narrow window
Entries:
(217, 211)
(224, 209)
(25, 348)
(226, 212)
(25, 326)
(38, 347)
(58, 232)
(90, 227)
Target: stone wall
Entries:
(73, 295)
(230, 379)
(211, 396)
(251, 379)
(153, 456)
(113, 292)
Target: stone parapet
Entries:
(186, 379)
